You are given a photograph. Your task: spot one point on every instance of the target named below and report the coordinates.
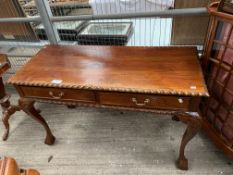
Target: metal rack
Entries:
(47, 18)
(149, 27)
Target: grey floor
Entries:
(107, 142)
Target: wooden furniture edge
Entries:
(213, 10)
(203, 93)
(112, 89)
(214, 137)
(217, 139)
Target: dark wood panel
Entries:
(144, 101)
(58, 94)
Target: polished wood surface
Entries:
(8, 166)
(213, 10)
(166, 80)
(140, 69)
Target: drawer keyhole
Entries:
(60, 95)
(135, 101)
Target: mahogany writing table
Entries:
(155, 79)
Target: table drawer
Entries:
(144, 101)
(59, 94)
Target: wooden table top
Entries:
(154, 70)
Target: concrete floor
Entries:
(107, 142)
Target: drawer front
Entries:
(58, 94)
(144, 101)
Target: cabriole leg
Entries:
(27, 106)
(7, 113)
(193, 126)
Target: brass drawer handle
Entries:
(60, 95)
(146, 101)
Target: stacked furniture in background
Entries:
(15, 31)
(58, 7)
(105, 33)
(103, 7)
(188, 30)
(68, 30)
(218, 66)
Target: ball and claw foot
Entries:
(182, 163)
(7, 127)
(193, 126)
(49, 140)
(5, 135)
(27, 105)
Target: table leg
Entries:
(5, 104)
(193, 126)
(7, 111)
(27, 106)
(5, 119)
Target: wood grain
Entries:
(168, 70)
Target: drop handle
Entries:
(59, 96)
(135, 101)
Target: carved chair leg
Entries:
(5, 119)
(193, 126)
(28, 107)
(7, 113)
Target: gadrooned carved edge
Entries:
(112, 89)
